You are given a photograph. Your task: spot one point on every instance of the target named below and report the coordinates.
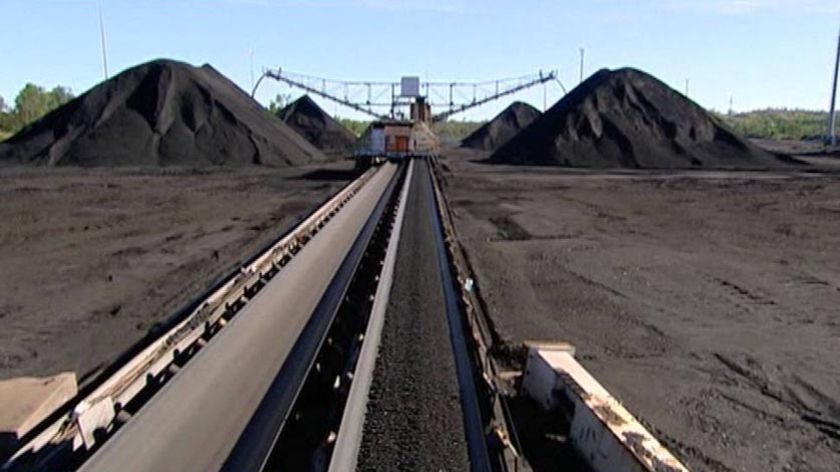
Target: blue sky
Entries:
(761, 52)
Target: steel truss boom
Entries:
(540, 79)
(278, 75)
(455, 97)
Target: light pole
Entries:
(832, 116)
(251, 63)
(582, 52)
(102, 39)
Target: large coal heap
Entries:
(318, 127)
(502, 127)
(161, 113)
(627, 118)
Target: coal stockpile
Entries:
(318, 127)
(627, 118)
(502, 127)
(161, 113)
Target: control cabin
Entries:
(398, 139)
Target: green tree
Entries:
(31, 103)
(455, 130)
(357, 127)
(279, 101)
(5, 120)
(59, 96)
(778, 123)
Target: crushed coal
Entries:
(502, 127)
(161, 113)
(318, 127)
(628, 118)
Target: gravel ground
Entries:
(414, 419)
(705, 301)
(92, 258)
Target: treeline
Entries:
(454, 131)
(779, 123)
(357, 127)
(31, 103)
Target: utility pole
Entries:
(731, 99)
(582, 52)
(545, 98)
(832, 117)
(102, 39)
(686, 88)
(251, 58)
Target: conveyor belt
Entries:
(196, 420)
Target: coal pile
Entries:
(502, 127)
(627, 118)
(161, 113)
(318, 127)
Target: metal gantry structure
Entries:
(373, 98)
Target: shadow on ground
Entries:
(330, 174)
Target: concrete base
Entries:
(26, 401)
(605, 434)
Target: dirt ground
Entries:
(92, 258)
(705, 301)
(794, 147)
